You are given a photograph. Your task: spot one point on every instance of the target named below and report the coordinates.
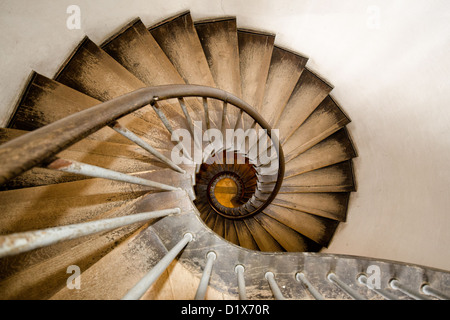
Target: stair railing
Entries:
(40, 147)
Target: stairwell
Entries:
(283, 235)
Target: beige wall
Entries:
(390, 66)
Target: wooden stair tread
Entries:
(331, 205)
(255, 52)
(220, 46)
(129, 262)
(288, 238)
(44, 95)
(334, 178)
(74, 202)
(178, 39)
(48, 265)
(245, 237)
(45, 101)
(230, 232)
(306, 96)
(336, 148)
(93, 72)
(136, 50)
(114, 156)
(316, 228)
(284, 71)
(219, 226)
(326, 119)
(263, 239)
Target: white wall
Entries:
(388, 60)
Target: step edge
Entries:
(122, 30)
(214, 20)
(69, 58)
(20, 98)
(168, 20)
(256, 32)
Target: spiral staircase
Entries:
(88, 157)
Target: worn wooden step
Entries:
(326, 119)
(230, 232)
(116, 273)
(219, 226)
(210, 219)
(135, 49)
(220, 45)
(255, 52)
(332, 205)
(7, 134)
(46, 267)
(115, 156)
(46, 101)
(289, 239)
(129, 262)
(92, 71)
(306, 96)
(178, 39)
(19, 266)
(95, 73)
(336, 148)
(36, 176)
(334, 178)
(73, 202)
(264, 240)
(284, 72)
(244, 235)
(316, 228)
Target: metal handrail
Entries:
(40, 146)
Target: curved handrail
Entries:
(42, 145)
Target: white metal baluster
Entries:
(241, 282)
(301, 277)
(98, 172)
(274, 286)
(187, 115)
(363, 279)
(206, 108)
(145, 283)
(344, 287)
(169, 128)
(116, 126)
(433, 292)
(395, 284)
(25, 241)
(203, 286)
(239, 120)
